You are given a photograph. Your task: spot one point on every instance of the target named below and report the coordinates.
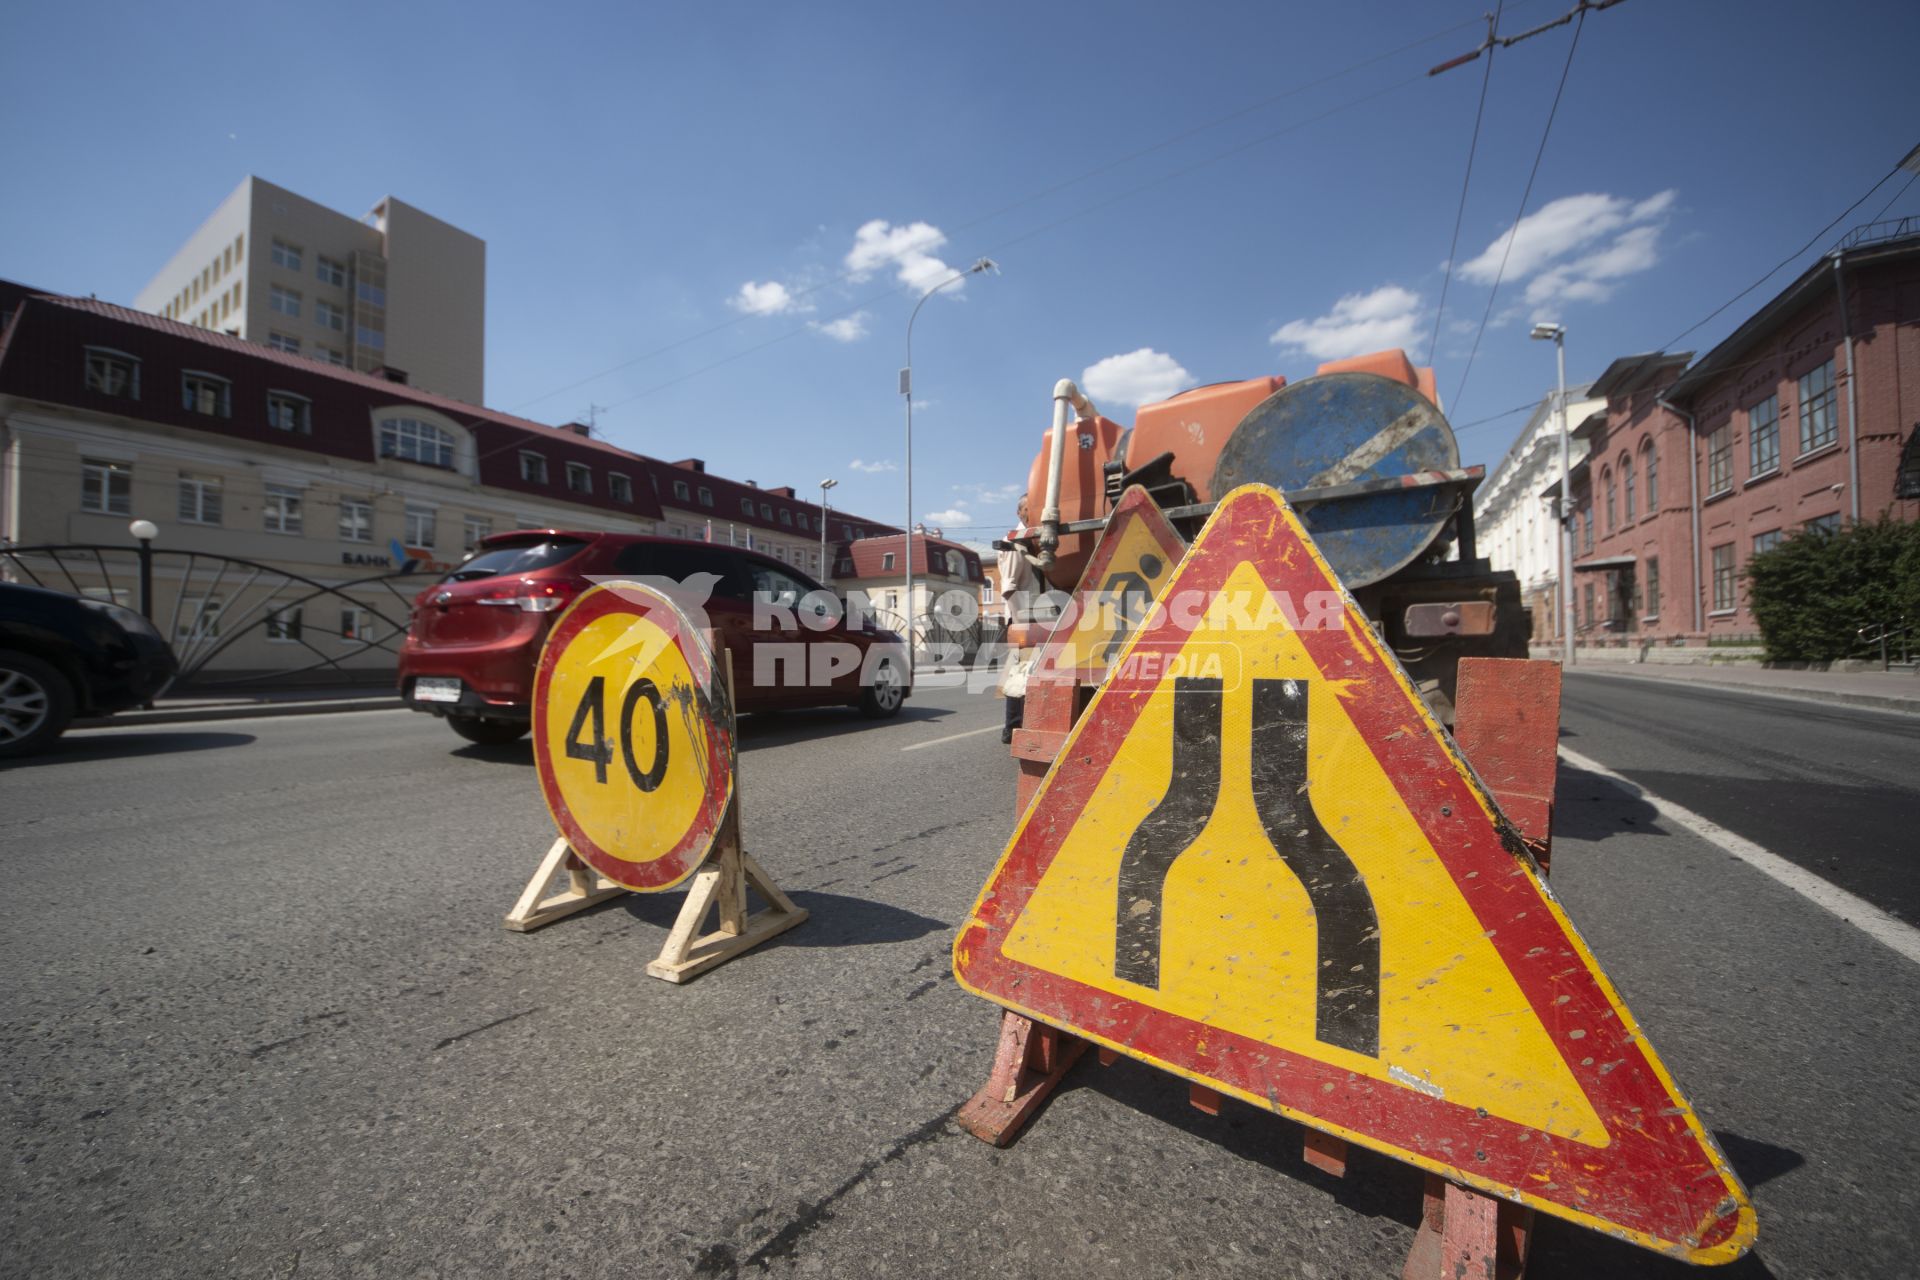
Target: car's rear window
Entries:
(523, 559)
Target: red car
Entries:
(475, 635)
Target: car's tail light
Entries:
(548, 597)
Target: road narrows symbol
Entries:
(1347, 973)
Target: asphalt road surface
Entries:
(261, 1019)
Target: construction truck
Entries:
(1364, 455)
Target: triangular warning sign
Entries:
(1259, 863)
(1136, 555)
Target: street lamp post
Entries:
(145, 531)
(1557, 333)
(906, 390)
(824, 486)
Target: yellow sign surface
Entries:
(634, 748)
(1135, 557)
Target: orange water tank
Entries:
(1091, 443)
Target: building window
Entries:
(288, 412)
(682, 491)
(199, 619)
(371, 339)
(416, 441)
(1819, 425)
(1720, 460)
(330, 356)
(1606, 482)
(356, 520)
(284, 342)
(476, 528)
(284, 624)
(1586, 527)
(328, 316)
(1653, 588)
(282, 509)
(1824, 524)
(372, 294)
(286, 255)
(327, 271)
(113, 373)
(886, 562)
(706, 496)
(206, 394)
(786, 517)
(746, 507)
(356, 624)
(285, 301)
(533, 467)
(766, 511)
(1766, 541)
(1586, 603)
(106, 487)
(619, 487)
(1763, 437)
(419, 526)
(579, 478)
(1723, 579)
(200, 499)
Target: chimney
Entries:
(753, 484)
(391, 374)
(578, 428)
(692, 464)
(784, 491)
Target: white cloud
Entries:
(907, 248)
(993, 495)
(953, 515)
(1359, 322)
(1573, 248)
(846, 329)
(1136, 378)
(871, 468)
(768, 299)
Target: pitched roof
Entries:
(866, 558)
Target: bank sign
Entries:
(399, 557)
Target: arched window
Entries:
(1606, 481)
(1627, 486)
(422, 436)
(1652, 452)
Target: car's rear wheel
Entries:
(488, 733)
(36, 704)
(882, 699)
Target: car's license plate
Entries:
(436, 689)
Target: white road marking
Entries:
(1856, 911)
(953, 737)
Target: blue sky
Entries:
(689, 208)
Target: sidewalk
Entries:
(1885, 690)
(241, 702)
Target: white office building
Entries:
(1514, 523)
(397, 291)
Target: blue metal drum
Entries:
(1347, 429)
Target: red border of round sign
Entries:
(685, 857)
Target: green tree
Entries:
(1814, 592)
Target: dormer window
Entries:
(289, 412)
(619, 487)
(682, 491)
(746, 507)
(416, 441)
(706, 496)
(533, 467)
(579, 478)
(786, 517)
(205, 393)
(113, 373)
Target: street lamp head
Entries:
(829, 484)
(144, 530)
(1549, 332)
(984, 264)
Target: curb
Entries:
(239, 711)
(1839, 697)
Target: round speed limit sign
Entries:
(633, 736)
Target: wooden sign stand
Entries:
(1507, 726)
(720, 885)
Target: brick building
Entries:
(1803, 418)
(876, 567)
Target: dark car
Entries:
(475, 636)
(63, 655)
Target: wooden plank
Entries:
(583, 890)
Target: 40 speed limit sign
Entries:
(633, 736)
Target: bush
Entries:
(1813, 592)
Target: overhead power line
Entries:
(1580, 16)
(1466, 182)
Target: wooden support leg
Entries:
(584, 888)
(1468, 1236)
(1029, 1061)
(1326, 1153)
(721, 887)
